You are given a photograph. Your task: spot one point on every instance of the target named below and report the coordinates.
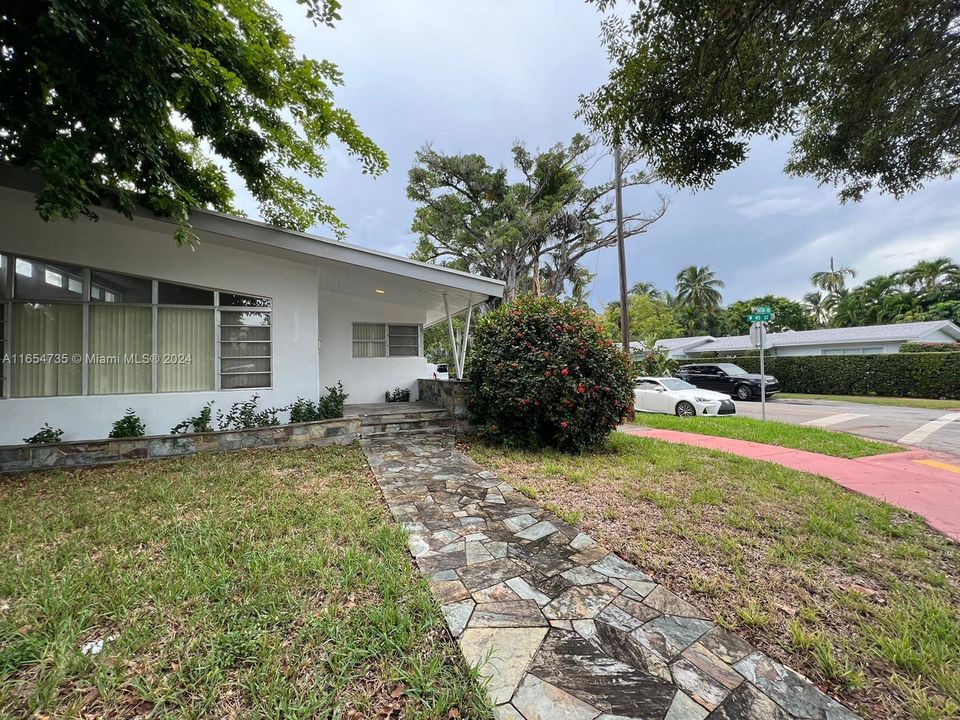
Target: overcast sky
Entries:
(474, 77)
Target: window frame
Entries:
(386, 339)
(86, 302)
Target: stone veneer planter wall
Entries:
(452, 395)
(83, 453)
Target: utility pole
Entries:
(621, 253)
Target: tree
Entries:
(868, 90)
(815, 304)
(832, 281)
(650, 319)
(119, 103)
(929, 274)
(699, 288)
(531, 231)
(788, 315)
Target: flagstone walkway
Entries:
(558, 625)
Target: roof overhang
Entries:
(342, 267)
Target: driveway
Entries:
(930, 429)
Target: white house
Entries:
(96, 317)
(868, 340)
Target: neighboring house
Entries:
(867, 340)
(101, 316)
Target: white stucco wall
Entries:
(798, 350)
(148, 249)
(365, 379)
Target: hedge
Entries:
(925, 347)
(919, 375)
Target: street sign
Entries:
(760, 317)
(763, 309)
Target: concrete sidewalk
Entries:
(921, 481)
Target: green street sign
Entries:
(760, 317)
(763, 309)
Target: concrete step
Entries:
(374, 418)
(392, 424)
(409, 434)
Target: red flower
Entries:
(564, 372)
(547, 374)
(580, 388)
(564, 424)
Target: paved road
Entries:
(931, 429)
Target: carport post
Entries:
(466, 332)
(453, 342)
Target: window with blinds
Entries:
(67, 330)
(372, 340)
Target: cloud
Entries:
(782, 201)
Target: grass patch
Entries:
(858, 595)
(771, 432)
(930, 404)
(250, 584)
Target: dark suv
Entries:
(727, 378)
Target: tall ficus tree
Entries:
(869, 89)
(530, 228)
(119, 102)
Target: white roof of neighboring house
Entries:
(899, 332)
(678, 343)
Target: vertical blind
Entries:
(369, 340)
(123, 338)
(47, 329)
(185, 332)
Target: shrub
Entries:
(544, 373)
(304, 411)
(919, 375)
(244, 415)
(46, 435)
(653, 363)
(397, 395)
(925, 347)
(130, 425)
(199, 424)
(329, 407)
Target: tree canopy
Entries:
(531, 230)
(125, 102)
(788, 315)
(650, 319)
(869, 90)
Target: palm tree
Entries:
(815, 303)
(832, 281)
(698, 287)
(927, 275)
(645, 288)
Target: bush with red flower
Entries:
(545, 374)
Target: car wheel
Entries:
(685, 409)
(744, 393)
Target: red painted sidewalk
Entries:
(903, 479)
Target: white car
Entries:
(676, 397)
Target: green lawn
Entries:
(874, 400)
(858, 595)
(771, 432)
(250, 584)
